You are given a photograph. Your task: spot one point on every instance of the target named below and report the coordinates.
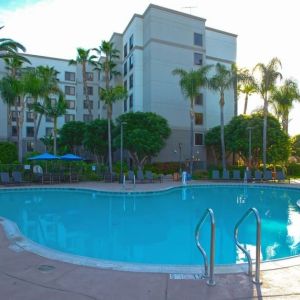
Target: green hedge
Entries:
(8, 153)
(293, 170)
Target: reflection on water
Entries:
(157, 227)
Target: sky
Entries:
(265, 29)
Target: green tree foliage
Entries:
(95, 138)
(296, 145)
(8, 153)
(72, 135)
(145, 135)
(237, 139)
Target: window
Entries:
(70, 90)
(29, 101)
(87, 118)
(125, 68)
(198, 139)
(199, 99)
(69, 117)
(89, 76)
(198, 119)
(30, 131)
(49, 119)
(130, 62)
(90, 90)
(131, 101)
(125, 50)
(53, 101)
(14, 131)
(49, 131)
(70, 104)
(29, 116)
(131, 42)
(70, 76)
(85, 104)
(198, 39)
(125, 85)
(14, 115)
(197, 59)
(29, 146)
(125, 105)
(131, 81)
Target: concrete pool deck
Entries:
(24, 275)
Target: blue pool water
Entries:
(155, 228)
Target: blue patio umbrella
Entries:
(44, 156)
(71, 157)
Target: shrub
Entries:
(163, 167)
(8, 153)
(293, 170)
(198, 174)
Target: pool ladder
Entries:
(254, 211)
(209, 211)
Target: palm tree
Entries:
(107, 66)
(246, 86)
(222, 80)
(9, 47)
(268, 76)
(84, 58)
(190, 83)
(282, 99)
(53, 110)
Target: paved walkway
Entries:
(27, 276)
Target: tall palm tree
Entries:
(222, 80)
(53, 110)
(246, 86)
(282, 99)
(9, 47)
(107, 65)
(84, 58)
(266, 83)
(190, 83)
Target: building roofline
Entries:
(221, 31)
(47, 57)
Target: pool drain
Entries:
(45, 268)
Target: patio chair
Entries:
(131, 176)
(236, 175)
(17, 177)
(215, 175)
(140, 176)
(257, 176)
(267, 175)
(4, 177)
(247, 175)
(280, 176)
(149, 176)
(225, 175)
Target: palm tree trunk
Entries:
(192, 137)
(246, 104)
(265, 132)
(285, 122)
(86, 94)
(20, 126)
(37, 129)
(54, 134)
(109, 137)
(222, 131)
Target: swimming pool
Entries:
(156, 227)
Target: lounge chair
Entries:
(267, 175)
(140, 176)
(17, 177)
(247, 175)
(149, 176)
(131, 176)
(225, 175)
(236, 175)
(280, 176)
(215, 175)
(5, 179)
(258, 176)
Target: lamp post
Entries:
(250, 140)
(121, 175)
(180, 151)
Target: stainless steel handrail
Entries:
(209, 212)
(256, 279)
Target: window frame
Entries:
(202, 139)
(69, 77)
(197, 34)
(198, 59)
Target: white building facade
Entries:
(151, 47)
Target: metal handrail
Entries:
(209, 212)
(256, 279)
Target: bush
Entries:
(293, 170)
(8, 153)
(163, 167)
(198, 174)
